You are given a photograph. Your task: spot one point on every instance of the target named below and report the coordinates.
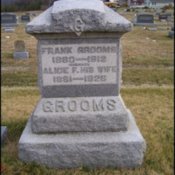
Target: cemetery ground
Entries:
(147, 90)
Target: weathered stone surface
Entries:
(91, 149)
(81, 119)
(53, 115)
(106, 83)
(78, 16)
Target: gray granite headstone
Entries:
(25, 18)
(8, 20)
(144, 19)
(20, 50)
(81, 119)
(164, 16)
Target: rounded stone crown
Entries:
(78, 16)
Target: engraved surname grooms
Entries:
(83, 105)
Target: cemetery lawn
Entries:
(153, 111)
(147, 90)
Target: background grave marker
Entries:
(20, 50)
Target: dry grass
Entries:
(154, 115)
(147, 48)
(138, 76)
(18, 104)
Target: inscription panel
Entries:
(79, 64)
(83, 105)
(80, 105)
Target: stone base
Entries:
(20, 55)
(90, 149)
(80, 114)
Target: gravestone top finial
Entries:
(77, 16)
